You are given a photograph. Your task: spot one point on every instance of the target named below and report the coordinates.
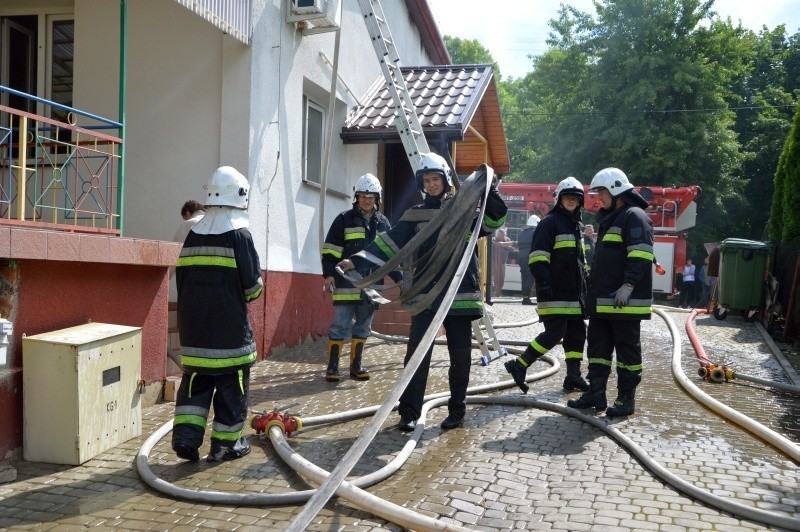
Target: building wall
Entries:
(52, 280)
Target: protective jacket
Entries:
(468, 299)
(217, 275)
(349, 233)
(623, 255)
(556, 260)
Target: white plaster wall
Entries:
(285, 212)
(187, 106)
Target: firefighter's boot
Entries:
(594, 398)
(624, 405)
(518, 369)
(573, 381)
(357, 371)
(334, 350)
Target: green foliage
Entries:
(785, 215)
(470, 52)
(669, 93)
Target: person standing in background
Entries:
(687, 287)
(524, 240)
(501, 246)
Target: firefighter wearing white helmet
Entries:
(556, 262)
(620, 292)
(524, 241)
(435, 178)
(349, 233)
(433, 163)
(217, 274)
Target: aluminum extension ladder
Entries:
(412, 136)
(487, 340)
(406, 120)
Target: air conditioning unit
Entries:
(315, 16)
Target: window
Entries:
(313, 135)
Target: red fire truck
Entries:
(672, 210)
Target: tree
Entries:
(470, 52)
(785, 214)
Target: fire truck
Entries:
(673, 212)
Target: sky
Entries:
(513, 29)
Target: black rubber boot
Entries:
(517, 370)
(407, 423)
(573, 381)
(453, 420)
(594, 398)
(357, 371)
(223, 453)
(624, 405)
(527, 301)
(334, 349)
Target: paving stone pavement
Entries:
(509, 468)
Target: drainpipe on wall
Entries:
(123, 79)
(329, 134)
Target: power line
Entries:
(525, 112)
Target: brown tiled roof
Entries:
(453, 103)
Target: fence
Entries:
(57, 174)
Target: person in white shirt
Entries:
(687, 289)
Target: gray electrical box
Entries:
(80, 391)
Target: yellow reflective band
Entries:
(610, 309)
(200, 362)
(600, 361)
(332, 252)
(353, 236)
(254, 295)
(538, 258)
(347, 297)
(466, 305)
(188, 419)
(572, 311)
(226, 436)
(384, 247)
(637, 254)
(204, 260)
(608, 237)
(631, 367)
(494, 224)
(569, 355)
(539, 348)
(564, 244)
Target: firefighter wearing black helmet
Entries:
(557, 262)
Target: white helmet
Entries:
(612, 179)
(432, 162)
(227, 188)
(533, 220)
(569, 186)
(368, 183)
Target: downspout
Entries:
(329, 134)
(123, 78)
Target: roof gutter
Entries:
(431, 37)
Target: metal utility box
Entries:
(80, 391)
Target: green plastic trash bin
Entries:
(741, 277)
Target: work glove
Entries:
(622, 295)
(544, 291)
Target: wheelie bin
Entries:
(743, 265)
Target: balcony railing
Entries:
(57, 174)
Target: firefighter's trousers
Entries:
(458, 330)
(228, 392)
(623, 336)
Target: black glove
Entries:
(544, 291)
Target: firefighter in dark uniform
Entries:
(557, 263)
(434, 180)
(620, 292)
(349, 233)
(217, 273)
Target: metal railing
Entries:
(57, 174)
